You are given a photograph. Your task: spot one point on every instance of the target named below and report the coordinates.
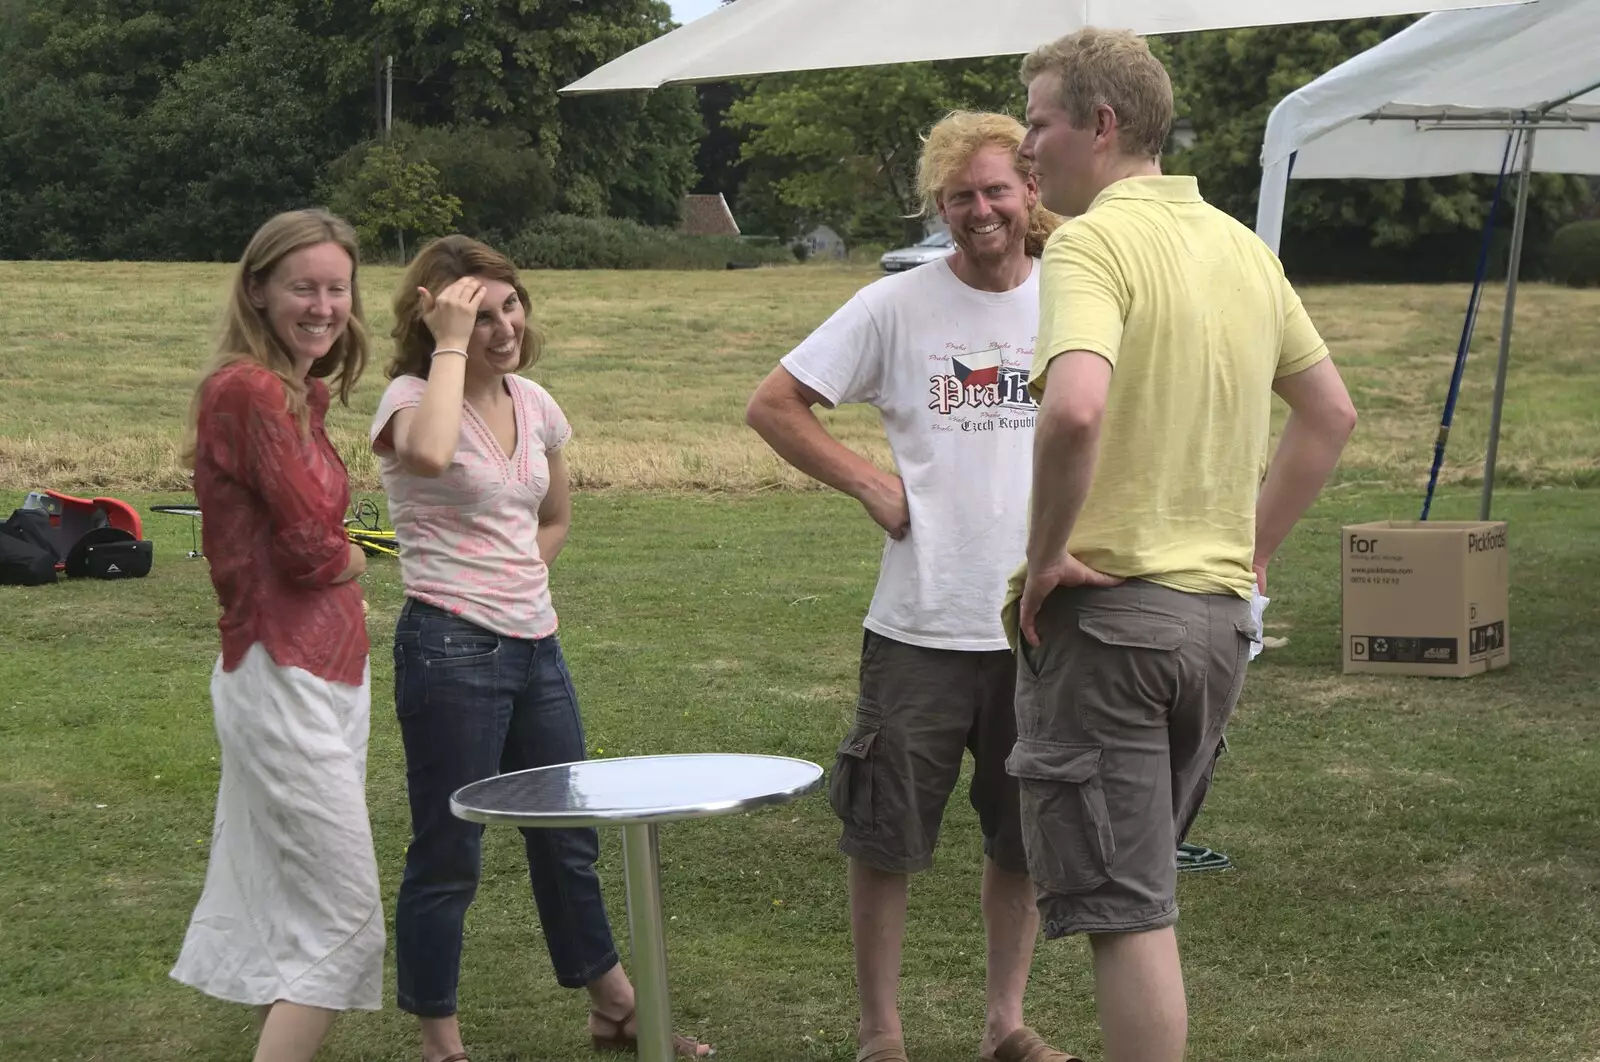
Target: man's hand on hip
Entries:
(885, 501)
(1069, 571)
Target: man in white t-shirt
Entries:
(943, 352)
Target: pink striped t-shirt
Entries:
(468, 538)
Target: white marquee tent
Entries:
(1457, 92)
(754, 37)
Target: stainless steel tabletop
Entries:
(636, 789)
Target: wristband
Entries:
(447, 350)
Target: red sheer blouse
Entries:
(273, 502)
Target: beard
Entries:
(998, 245)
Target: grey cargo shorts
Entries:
(919, 711)
(1120, 717)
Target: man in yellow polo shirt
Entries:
(1165, 328)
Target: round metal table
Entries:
(637, 793)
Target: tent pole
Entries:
(1546, 108)
(1513, 269)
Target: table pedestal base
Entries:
(641, 860)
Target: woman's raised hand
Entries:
(452, 315)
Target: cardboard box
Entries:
(1426, 598)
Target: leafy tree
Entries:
(70, 85)
(842, 145)
(170, 128)
(717, 159)
(392, 202)
(164, 128)
(63, 164)
(629, 154)
(501, 180)
(233, 138)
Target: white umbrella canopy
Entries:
(753, 37)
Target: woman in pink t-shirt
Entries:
(471, 458)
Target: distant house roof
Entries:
(707, 215)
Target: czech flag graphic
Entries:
(978, 369)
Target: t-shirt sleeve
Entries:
(557, 432)
(1302, 346)
(843, 360)
(1083, 299)
(403, 392)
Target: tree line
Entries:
(840, 147)
(168, 129)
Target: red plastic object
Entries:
(71, 518)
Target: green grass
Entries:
(1416, 875)
(1416, 871)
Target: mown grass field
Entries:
(653, 369)
(1417, 860)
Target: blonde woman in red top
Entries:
(290, 920)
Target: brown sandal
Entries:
(882, 1049)
(1025, 1045)
(459, 1056)
(619, 1039)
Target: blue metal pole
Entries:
(1467, 327)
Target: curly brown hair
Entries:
(439, 264)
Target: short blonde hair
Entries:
(1114, 68)
(951, 145)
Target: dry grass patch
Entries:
(654, 370)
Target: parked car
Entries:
(933, 247)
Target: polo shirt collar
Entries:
(1173, 188)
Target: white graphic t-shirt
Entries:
(947, 367)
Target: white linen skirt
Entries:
(291, 909)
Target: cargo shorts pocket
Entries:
(1129, 668)
(1066, 829)
(1133, 630)
(850, 788)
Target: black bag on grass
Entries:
(109, 553)
(27, 557)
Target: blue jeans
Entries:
(471, 704)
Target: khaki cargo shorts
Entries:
(1120, 717)
(918, 712)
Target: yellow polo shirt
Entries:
(1197, 320)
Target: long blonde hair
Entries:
(953, 142)
(246, 336)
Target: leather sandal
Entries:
(619, 1039)
(1025, 1045)
(882, 1049)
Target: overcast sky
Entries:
(689, 10)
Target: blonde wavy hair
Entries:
(951, 144)
(438, 265)
(246, 335)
